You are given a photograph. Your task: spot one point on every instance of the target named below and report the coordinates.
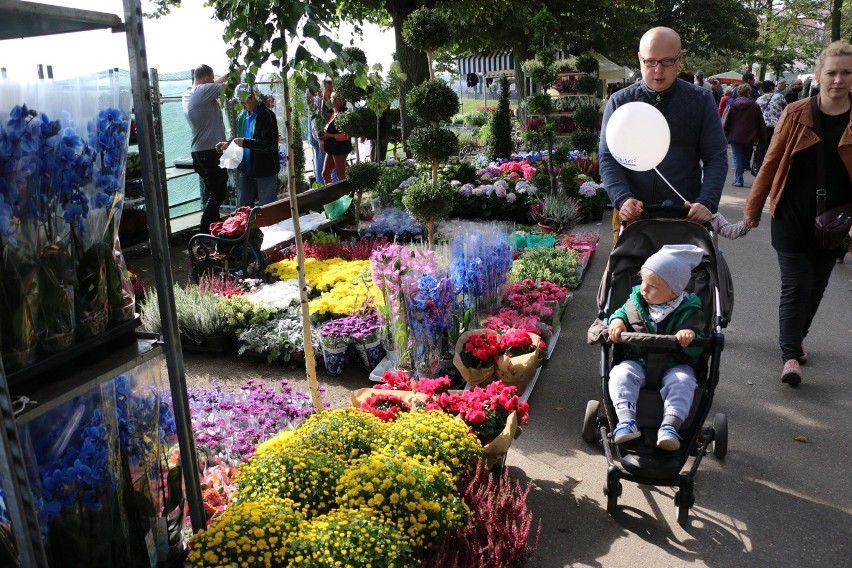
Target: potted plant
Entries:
(428, 202)
(559, 212)
(363, 176)
(198, 315)
(433, 102)
(334, 341)
(475, 355)
(594, 198)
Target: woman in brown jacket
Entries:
(788, 177)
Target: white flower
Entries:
(510, 197)
(522, 187)
(478, 190)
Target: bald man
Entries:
(697, 161)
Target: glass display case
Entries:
(81, 445)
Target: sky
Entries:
(180, 41)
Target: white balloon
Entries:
(638, 136)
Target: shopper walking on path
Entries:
(257, 130)
(791, 95)
(201, 108)
(772, 104)
(812, 140)
(697, 160)
(743, 124)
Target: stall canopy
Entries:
(728, 77)
(500, 63)
(494, 64)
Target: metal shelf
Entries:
(29, 19)
(54, 393)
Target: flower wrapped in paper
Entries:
(481, 258)
(521, 352)
(475, 355)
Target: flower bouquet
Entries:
(429, 304)
(475, 355)
(520, 357)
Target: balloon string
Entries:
(670, 185)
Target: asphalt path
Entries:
(783, 494)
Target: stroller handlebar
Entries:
(659, 341)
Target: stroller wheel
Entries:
(720, 435)
(612, 490)
(590, 422)
(684, 500)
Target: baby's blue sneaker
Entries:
(668, 438)
(625, 431)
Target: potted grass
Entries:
(199, 318)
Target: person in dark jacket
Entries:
(744, 125)
(792, 94)
(259, 140)
(697, 159)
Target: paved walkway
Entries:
(773, 502)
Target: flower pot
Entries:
(371, 353)
(17, 359)
(334, 359)
(546, 228)
(124, 313)
(93, 324)
(52, 343)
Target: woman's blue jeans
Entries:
(742, 159)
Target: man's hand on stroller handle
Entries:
(632, 210)
(698, 213)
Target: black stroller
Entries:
(639, 460)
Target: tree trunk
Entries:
(310, 359)
(836, 7)
(412, 62)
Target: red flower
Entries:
(481, 350)
(385, 406)
(433, 387)
(395, 380)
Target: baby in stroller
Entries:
(659, 305)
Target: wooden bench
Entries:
(244, 255)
